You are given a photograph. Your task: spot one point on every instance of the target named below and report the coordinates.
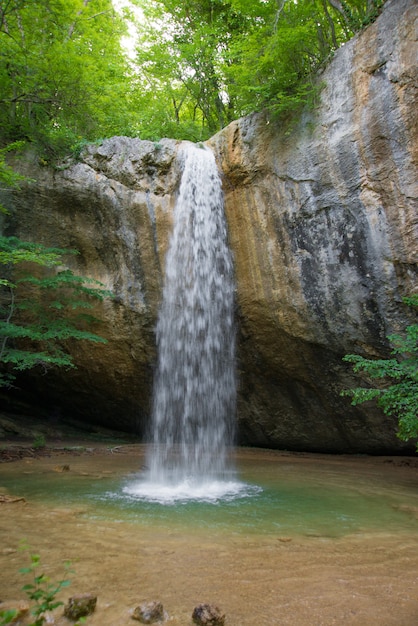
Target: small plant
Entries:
(41, 590)
(39, 442)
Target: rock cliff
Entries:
(323, 226)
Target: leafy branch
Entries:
(38, 313)
(397, 393)
(42, 591)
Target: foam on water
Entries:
(189, 490)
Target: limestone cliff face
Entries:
(115, 208)
(323, 226)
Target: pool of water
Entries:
(305, 539)
(267, 494)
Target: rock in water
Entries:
(149, 613)
(80, 606)
(208, 614)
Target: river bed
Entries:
(315, 539)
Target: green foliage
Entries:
(398, 394)
(39, 442)
(41, 309)
(14, 251)
(8, 176)
(63, 74)
(7, 616)
(205, 63)
(41, 590)
(65, 78)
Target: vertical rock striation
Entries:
(323, 225)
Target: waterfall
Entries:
(194, 395)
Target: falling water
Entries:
(194, 387)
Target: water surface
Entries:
(268, 493)
(308, 539)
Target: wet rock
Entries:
(208, 614)
(325, 244)
(62, 468)
(80, 606)
(150, 613)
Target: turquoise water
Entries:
(268, 496)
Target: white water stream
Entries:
(194, 388)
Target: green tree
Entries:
(42, 306)
(65, 78)
(274, 64)
(41, 311)
(63, 72)
(398, 392)
(180, 53)
(8, 176)
(216, 60)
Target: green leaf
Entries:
(34, 328)
(397, 393)
(8, 616)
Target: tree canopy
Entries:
(63, 72)
(203, 63)
(65, 77)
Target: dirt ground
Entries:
(362, 579)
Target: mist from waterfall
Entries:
(194, 394)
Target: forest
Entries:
(67, 77)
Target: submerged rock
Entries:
(61, 468)
(6, 498)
